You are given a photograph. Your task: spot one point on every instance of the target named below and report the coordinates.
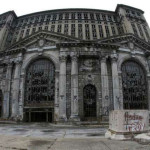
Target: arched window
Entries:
(89, 98)
(1, 103)
(134, 86)
(40, 83)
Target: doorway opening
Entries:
(89, 100)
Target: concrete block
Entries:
(124, 124)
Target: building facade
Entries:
(73, 64)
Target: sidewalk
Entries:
(51, 137)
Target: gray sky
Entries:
(22, 7)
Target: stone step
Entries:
(7, 122)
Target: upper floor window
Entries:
(100, 31)
(73, 15)
(115, 19)
(33, 30)
(127, 11)
(53, 28)
(42, 18)
(120, 29)
(85, 16)
(98, 17)
(138, 14)
(54, 16)
(92, 16)
(134, 29)
(87, 33)
(37, 19)
(48, 17)
(109, 18)
(140, 30)
(67, 16)
(146, 32)
(46, 28)
(66, 29)
(80, 34)
(40, 28)
(107, 31)
(27, 32)
(94, 31)
(104, 17)
(79, 16)
(113, 30)
(59, 28)
(133, 12)
(60, 16)
(73, 29)
(21, 34)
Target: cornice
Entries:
(130, 7)
(87, 44)
(129, 38)
(66, 10)
(9, 12)
(12, 51)
(65, 42)
(42, 34)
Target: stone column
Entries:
(21, 96)
(148, 79)
(148, 61)
(15, 95)
(6, 110)
(115, 81)
(62, 89)
(74, 88)
(56, 109)
(105, 87)
(120, 89)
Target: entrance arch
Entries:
(1, 103)
(89, 101)
(40, 91)
(134, 86)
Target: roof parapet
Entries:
(126, 6)
(9, 12)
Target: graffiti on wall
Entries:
(133, 122)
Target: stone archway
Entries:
(134, 85)
(89, 100)
(1, 103)
(39, 91)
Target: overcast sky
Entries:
(22, 7)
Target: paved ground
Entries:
(51, 137)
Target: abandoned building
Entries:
(73, 64)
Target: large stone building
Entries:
(73, 64)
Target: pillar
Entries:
(148, 79)
(56, 109)
(15, 95)
(105, 88)
(6, 110)
(115, 81)
(74, 88)
(21, 96)
(62, 89)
